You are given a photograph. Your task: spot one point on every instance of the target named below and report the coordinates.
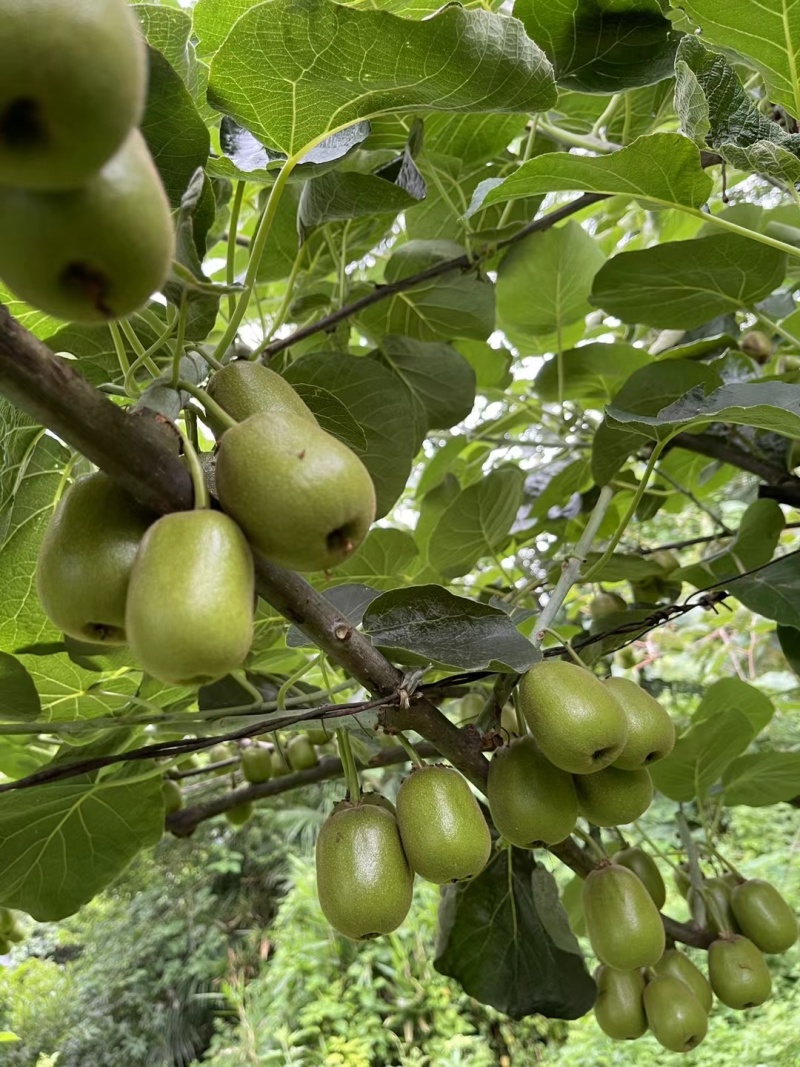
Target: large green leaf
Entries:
(343, 195)
(342, 65)
(773, 406)
(447, 306)
(767, 34)
(380, 403)
(19, 701)
(702, 754)
(426, 624)
(648, 390)
(505, 937)
(755, 541)
(600, 47)
(715, 109)
(685, 284)
(558, 266)
(773, 592)
(593, 372)
(762, 778)
(663, 169)
(387, 558)
(734, 693)
(65, 841)
(477, 522)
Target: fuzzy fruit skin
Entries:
(256, 765)
(443, 830)
(173, 797)
(605, 604)
(279, 765)
(364, 881)
(644, 867)
(189, 615)
(719, 892)
(304, 499)
(578, 725)
(613, 797)
(72, 84)
(622, 921)
(764, 916)
(674, 1014)
(86, 558)
(651, 731)
(380, 800)
(318, 736)
(239, 814)
(738, 972)
(244, 388)
(300, 753)
(530, 799)
(619, 1009)
(678, 965)
(94, 253)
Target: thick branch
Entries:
(717, 448)
(447, 266)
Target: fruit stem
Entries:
(695, 874)
(725, 861)
(654, 847)
(233, 226)
(568, 648)
(522, 726)
(598, 850)
(211, 406)
(571, 567)
(349, 764)
(414, 756)
(177, 352)
(122, 358)
(143, 354)
(301, 671)
(201, 495)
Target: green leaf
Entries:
(680, 285)
(341, 63)
(212, 20)
(573, 478)
(597, 47)
(332, 415)
(769, 36)
(702, 754)
(19, 701)
(428, 625)
(202, 297)
(663, 169)
(734, 693)
(755, 541)
(440, 380)
(715, 110)
(65, 841)
(387, 558)
(648, 390)
(6, 1036)
(557, 265)
(593, 372)
(773, 592)
(344, 195)
(789, 640)
(445, 307)
(505, 938)
(382, 407)
(477, 522)
(773, 406)
(762, 778)
(352, 599)
(169, 30)
(175, 133)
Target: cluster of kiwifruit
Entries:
(644, 985)
(587, 753)
(180, 589)
(87, 232)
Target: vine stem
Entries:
(179, 338)
(211, 406)
(598, 850)
(413, 755)
(655, 455)
(571, 567)
(732, 227)
(576, 659)
(202, 499)
(233, 226)
(256, 252)
(349, 765)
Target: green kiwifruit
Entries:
(256, 764)
(651, 731)
(529, 798)
(674, 1014)
(173, 797)
(244, 388)
(300, 753)
(619, 1009)
(605, 604)
(680, 966)
(738, 972)
(644, 867)
(623, 923)
(764, 916)
(240, 813)
(612, 797)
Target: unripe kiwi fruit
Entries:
(240, 813)
(680, 966)
(173, 797)
(674, 1014)
(764, 916)
(530, 799)
(300, 753)
(619, 1008)
(651, 731)
(644, 867)
(256, 764)
(612, 797)
(738, 972)
(623, 923)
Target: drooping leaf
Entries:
(762, 778)
(755, 541)
(597, 47)
(558, 266)
(342, 63)
(65, 841)
(680, 285)
(477, 522)
(427, 624)
(702, 754)
(663, 168)
(19, 701)
(593, 372)
(505, 938)
(734, 693)
(773, 591)
(715, 110)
